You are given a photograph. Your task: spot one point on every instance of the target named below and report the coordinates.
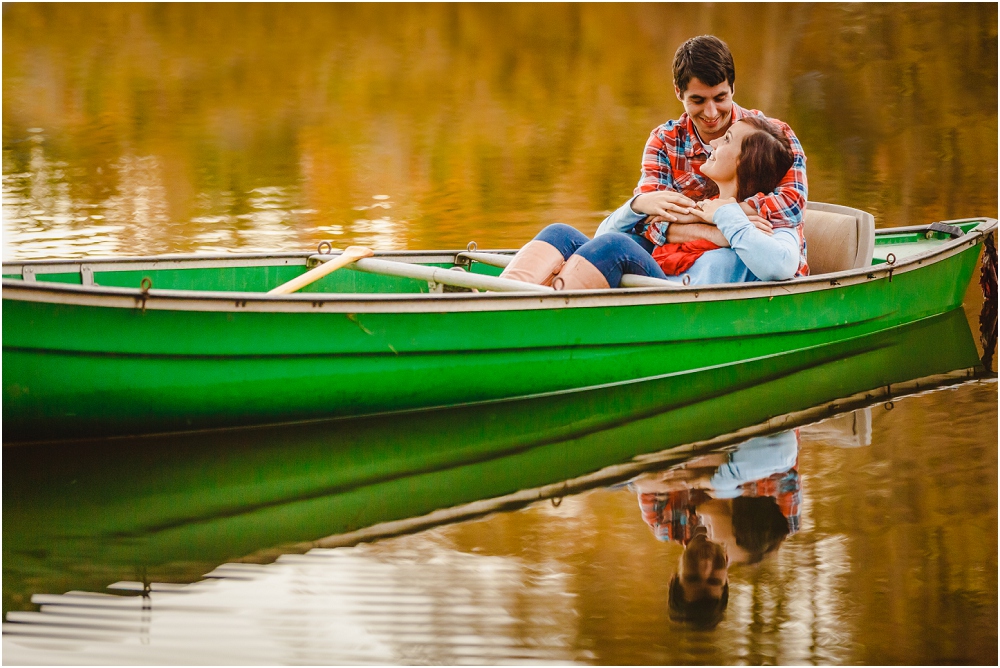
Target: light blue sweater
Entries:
(752, 255)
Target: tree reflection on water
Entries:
(184, 127)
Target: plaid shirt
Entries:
(786, 490)
(672, 515)
(673, 158)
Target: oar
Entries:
(350, 255)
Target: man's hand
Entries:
(664, 203)
(680, 218)
(762, 224)
(678, 234)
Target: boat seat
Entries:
(838, 238)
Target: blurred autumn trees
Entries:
(485, 121)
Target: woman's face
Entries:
(721, 165)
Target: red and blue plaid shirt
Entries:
(673, 158)
(672, 515)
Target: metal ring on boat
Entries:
(471, 247)
(556, 501)
(890, 259)
(144, 286)
(686, 280)
(560, 285)
(889, 405)
(329, 247)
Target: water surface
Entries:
(893, 560)
(170, 128)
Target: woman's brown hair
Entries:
(765, 157)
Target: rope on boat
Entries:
(988, 316)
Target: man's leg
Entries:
(643, 242)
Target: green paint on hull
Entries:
(75, 371)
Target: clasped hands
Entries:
(671, 207)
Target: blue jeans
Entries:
(613, 253)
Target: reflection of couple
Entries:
(675, 224)
(725, 508)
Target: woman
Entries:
(751, 157)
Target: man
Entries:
(699, 592)
(728, 507)
(672, 183)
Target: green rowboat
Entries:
(131, 346)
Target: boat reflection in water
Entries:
(152, 511)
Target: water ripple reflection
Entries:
(347, 605)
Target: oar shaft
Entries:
(350, 255)
(460, 279)
(627, 281)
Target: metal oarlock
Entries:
(145, 285)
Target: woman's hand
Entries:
(707, 207)
(664, 203)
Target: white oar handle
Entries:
(351, 254)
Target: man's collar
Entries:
(693, 146)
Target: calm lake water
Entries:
(169, 128)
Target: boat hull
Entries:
(82, 366)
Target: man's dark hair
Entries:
(758, 525)
(706, 58)
(704, 613)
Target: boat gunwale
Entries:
(281, 258)
(228, 301)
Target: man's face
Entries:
(710, 107)
(703, 569)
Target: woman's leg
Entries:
(542, 257)
(566, 238)
(600, 263)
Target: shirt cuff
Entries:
(655, 232)
(634, 212)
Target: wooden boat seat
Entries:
(838, 237)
